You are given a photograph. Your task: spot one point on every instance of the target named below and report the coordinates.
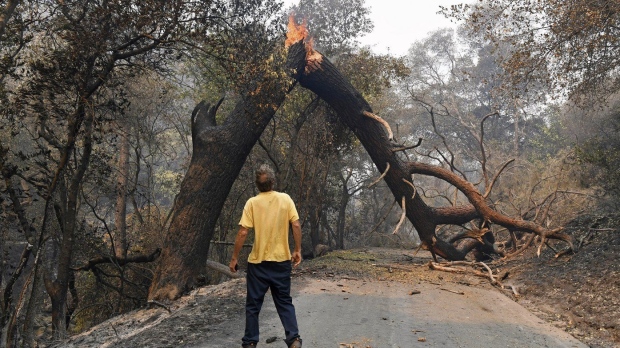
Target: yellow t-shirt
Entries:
(269, 214)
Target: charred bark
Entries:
(219, 152)
(327, 82)
(322, 78)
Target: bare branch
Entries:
(19, 305)
(424, 218)
(383, 218)
(402, 216)
(405, 148)
(415, 190)
(543, 241)
(450, 161)
(381, 177)
(382, 121)
(447, 267)
(522, 248)
(490, 185)
(264, 147)
(478, 201)
(483, 162)
(27, 227)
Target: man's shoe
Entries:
(249, 345)
(296, 343)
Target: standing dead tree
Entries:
(322, 77)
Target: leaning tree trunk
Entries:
(329, 84)
(321, 77)
(219, 152)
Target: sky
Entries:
(399, 23)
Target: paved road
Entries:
(354, 314)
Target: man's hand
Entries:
(233, 265)
(295, 258)
(239, 240)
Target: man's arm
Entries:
(242, 234)
(296, 255)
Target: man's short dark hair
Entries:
(265, 178)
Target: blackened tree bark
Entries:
(321, 77)
(219, 152)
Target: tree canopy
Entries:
(570, 46)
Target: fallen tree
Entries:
(323, 78)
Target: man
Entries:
(270, 261)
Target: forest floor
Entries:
(346, 298)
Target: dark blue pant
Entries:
(277, 277)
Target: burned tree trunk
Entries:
(327, 82)
(120, 215)
(342, 212)
(219, 152)
(321, 77)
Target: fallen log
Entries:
(391, 267)
(216, 266)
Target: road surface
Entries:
(379, 314)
